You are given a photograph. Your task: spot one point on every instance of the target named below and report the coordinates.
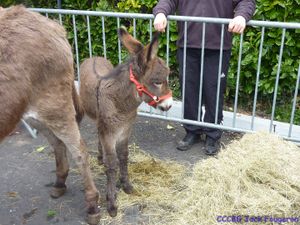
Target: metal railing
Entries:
(233, 121)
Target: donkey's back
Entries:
(34, 54)
(91, 71)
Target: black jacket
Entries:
(205, 8)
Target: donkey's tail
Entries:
(77, 104)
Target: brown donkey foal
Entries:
(112, 95)
(37, 81)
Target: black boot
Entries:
(211, 146)
(188, 141)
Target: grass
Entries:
(51, 213)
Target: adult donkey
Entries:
(112, 96)
(37, 78)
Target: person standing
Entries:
(239, 11)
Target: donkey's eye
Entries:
(157, 84)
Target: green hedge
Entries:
(279, 10)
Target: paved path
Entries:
(28, 170)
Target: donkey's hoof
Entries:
(57, 192)
(127, 188)
(100, 160)
(93, 219)
(112, 210)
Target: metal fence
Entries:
(233, 121)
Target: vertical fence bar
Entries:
(201, 71)
(168, 44)
(103, 37)
(32, 131)
(59, 4)
(60, 19)
(238, 79)
(150, 28)
(134, 27)
(277, 78)
(150, 32)
(89, 35)
(76, 49)
(294, 103)
(167, 54)
(119, 42)
(219, 74)
(47, 15)
(257, 75)
(184, 67)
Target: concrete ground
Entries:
(28, 171)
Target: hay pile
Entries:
(155, 182)
(256, 176)
(259, 175)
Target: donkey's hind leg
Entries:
(64, 127)
(122, 151)
(62, 165)
(71, 137)
(62, 169)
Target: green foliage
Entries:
(284, 112)
(29, 3)
(281, 11)
(51, 213)
(96, 33)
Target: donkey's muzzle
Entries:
(164, 108)
(165, 105)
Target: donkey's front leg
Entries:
(122, 150)
(111, 164)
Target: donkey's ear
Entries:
(152, 49)
(131, 44)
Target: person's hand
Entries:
(237, 25)
(160, 22)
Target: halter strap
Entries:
(142, 89)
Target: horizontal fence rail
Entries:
(233, 121)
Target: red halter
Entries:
(142, 89)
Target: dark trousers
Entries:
(209, 87)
